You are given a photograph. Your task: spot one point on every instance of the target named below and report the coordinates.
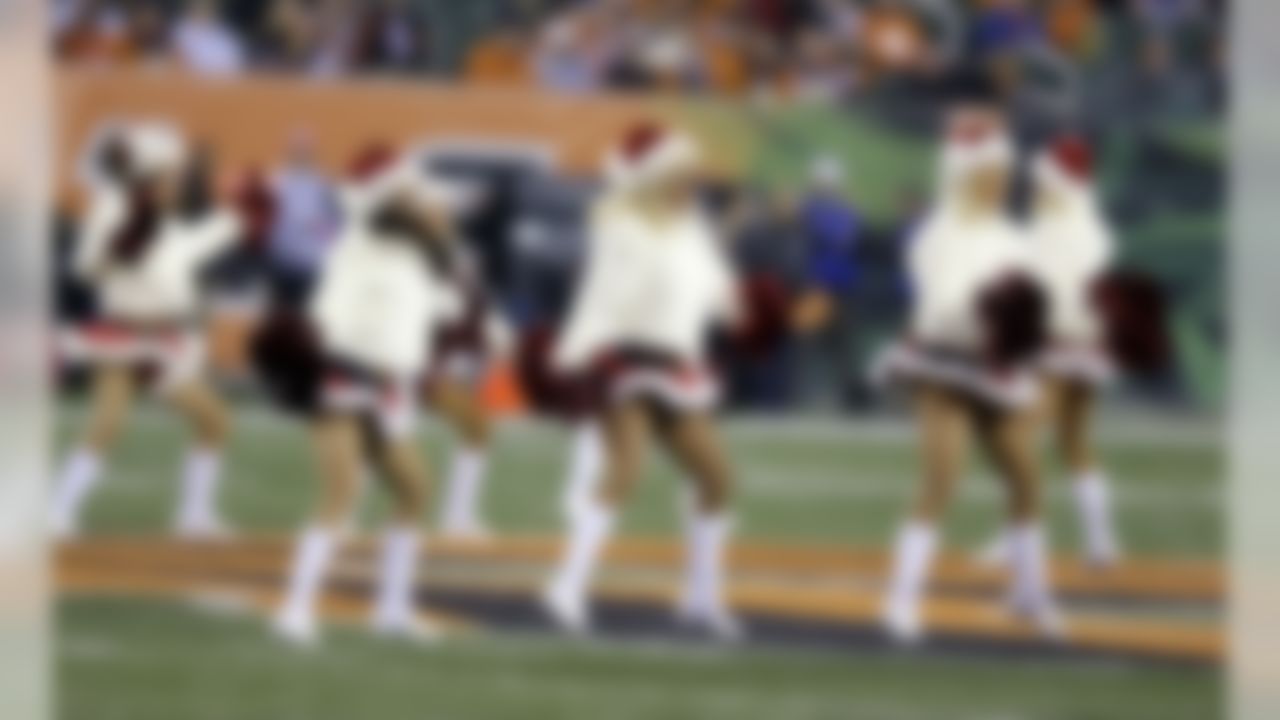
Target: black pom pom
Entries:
(256, 205)
(196, 197)
(1013, 312)
(767, 316)
(286, 355)
(113, 160)
(1134, 316)
(548, 390)
(136, 234)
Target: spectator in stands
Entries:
(337, 39)
(768, 251)
(566, 60)
(306, 217)
(892, 39)
(1072, 26)
(392, 36)
(1002, 33)
(728, 54)
(1002, 26)
(783, 20)
(1168, 15)
(500, 59)
(792, 49)
(844, 19)
(831, 226)
(148, 28)
(825, 71)
(826, 313)
(291, 35)
(657, 50)
(102, 32)
(92, 32)
(1173, 32)
(204, 43)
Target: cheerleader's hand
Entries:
(500, 338)
(812, 312)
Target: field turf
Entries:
(817, 483)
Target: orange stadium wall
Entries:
(249, 120)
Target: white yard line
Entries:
(1113, 430)
(804, 485)
(790, 486)
(764, 478)
(1123, 429)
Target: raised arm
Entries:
(215, 234)
(105, 216)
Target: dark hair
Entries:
(145, 212)
(135, 235)
(195, 197)
(392, 221)
(112, 159)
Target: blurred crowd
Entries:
(228, 37)
(820, 50)
(835, 50)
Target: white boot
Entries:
(295, 620)
(395, 610)
(80, 474)
(567, 608)
(913, 558)
(1030, 594)
(198, 517)
(586, 464)
(565, 597)
(702, 599)
(1097, 528)
(461, 509)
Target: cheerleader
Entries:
(148, 234)
(568, 399)
(976, 322)
(654, 284)
(1073, 248)
(464, 351)
(385, 284)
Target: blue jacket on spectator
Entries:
(831, 227)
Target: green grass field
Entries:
(809, 482)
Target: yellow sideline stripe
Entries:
(137, 582)
(159, 566)
(1139, 578)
